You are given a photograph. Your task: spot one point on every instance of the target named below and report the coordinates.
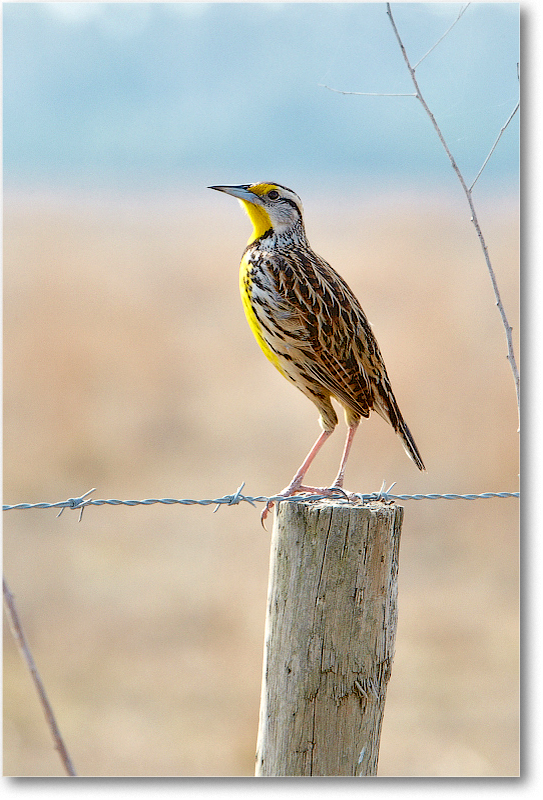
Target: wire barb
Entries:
(76, 502)
(233, 499)
(383, 493)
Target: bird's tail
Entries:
(409, 444)
(386, 406)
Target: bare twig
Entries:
(442, 37)
(467, 192)
(18, 633)
(370, 94)
(485, 162)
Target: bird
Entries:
(311, 327)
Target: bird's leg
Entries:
(296, 483)
(338, 483)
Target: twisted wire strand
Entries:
(83, 501)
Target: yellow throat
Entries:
(259, 217)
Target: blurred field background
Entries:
(129, 367)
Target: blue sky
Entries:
(153, 95)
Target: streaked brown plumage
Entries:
(310, 325)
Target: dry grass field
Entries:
(128, 366)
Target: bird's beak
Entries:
(242, 192)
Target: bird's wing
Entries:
(335, 338)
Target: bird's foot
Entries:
(298, 488)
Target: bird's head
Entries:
(270, 206)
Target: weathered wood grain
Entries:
(330, 631)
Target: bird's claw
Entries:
(332, 491)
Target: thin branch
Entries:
(369, 94)
(494, 146)
(442, 37)
(18, 633)
(401, 94)
(467, 192)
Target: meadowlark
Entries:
(310, 326)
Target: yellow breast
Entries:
(245, 290)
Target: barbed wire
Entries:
(383, 495)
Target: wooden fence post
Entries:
(330, 631)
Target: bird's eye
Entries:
(273, 195)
